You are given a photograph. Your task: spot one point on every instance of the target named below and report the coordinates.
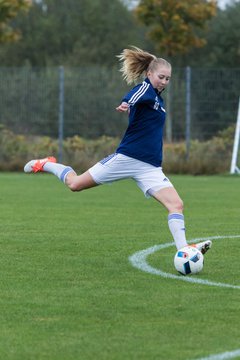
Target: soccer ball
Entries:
(188, 260)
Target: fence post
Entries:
(61, 113)
(188, 110)
(234, 168)
(169, 115)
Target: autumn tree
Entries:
(223, 41)
(173, 24)
(9, 9)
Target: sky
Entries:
(221, 3)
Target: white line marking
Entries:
(139, 261)
(224, 356)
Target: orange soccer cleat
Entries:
(34, 166)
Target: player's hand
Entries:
(123, 107)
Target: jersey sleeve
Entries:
(138, 94)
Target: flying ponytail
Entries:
(136, 62)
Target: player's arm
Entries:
(123, 107)
(136, 95)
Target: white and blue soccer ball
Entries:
(188, 260)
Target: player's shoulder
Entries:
(143, 88)
(141, 92)
(139, 86)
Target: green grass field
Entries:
(68, 290)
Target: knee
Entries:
(79, 182)
(73, 185)
(179, 206)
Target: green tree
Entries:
(73, 32)
(173, 24)
(9, 9)
(223, 40)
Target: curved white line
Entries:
(224, 356)
(139, 261)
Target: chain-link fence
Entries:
(68, 101)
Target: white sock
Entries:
(177, 227)
(58, 170)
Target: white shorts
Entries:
(118, 166)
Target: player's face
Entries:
(159, 77)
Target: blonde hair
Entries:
(137, 62)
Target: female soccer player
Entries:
(139, 154)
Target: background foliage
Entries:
(9, 9)
(77, 32)
(172, 24)
(222, 40)
(207, 157)
(58, 32)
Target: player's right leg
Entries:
(65, 173)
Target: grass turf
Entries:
(68, 290)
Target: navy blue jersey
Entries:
(143, 138)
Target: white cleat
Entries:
(203, 246)
(34, 166)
